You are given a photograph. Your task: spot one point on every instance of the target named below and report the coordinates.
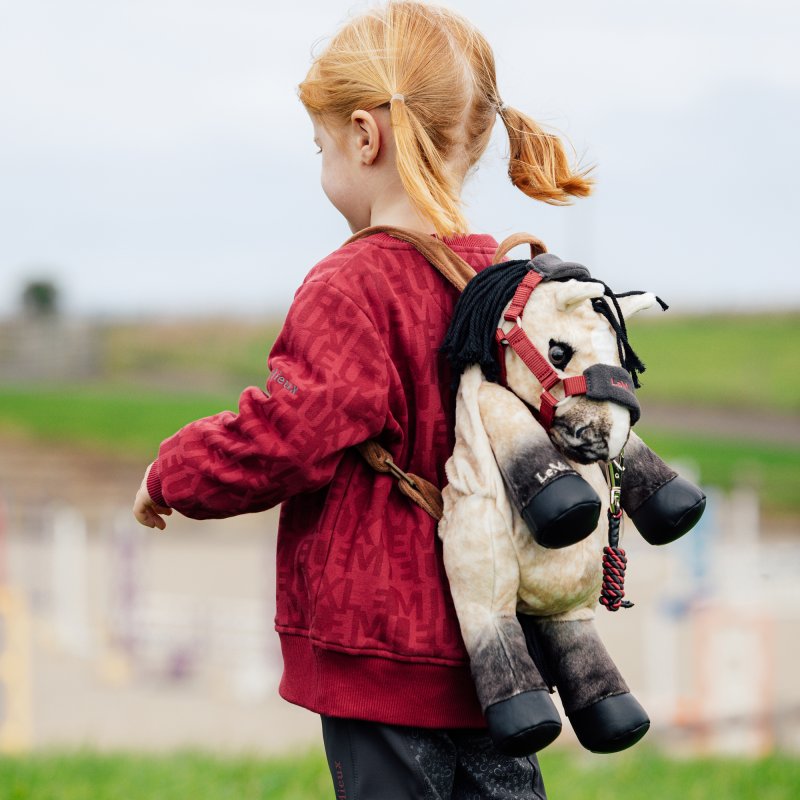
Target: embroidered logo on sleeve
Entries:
(281, 380)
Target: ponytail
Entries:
(423, 172)
(538, 164)
(443, 121)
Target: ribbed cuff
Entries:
(154, 485)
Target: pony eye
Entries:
(559, 354)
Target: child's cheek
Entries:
(341, 195)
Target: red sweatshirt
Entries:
(366, 622)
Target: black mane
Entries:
(470, 337)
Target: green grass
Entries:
(643, 775)
(224, 352)
(194, 775)
(117, 419)
(731, 361)
(133, 422)
(188, 775)
(159, 377)
(772, 469)
(737, 361)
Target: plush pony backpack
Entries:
(544, 410)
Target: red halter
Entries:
(598, 381)
(530, 355)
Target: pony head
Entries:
(557, 339)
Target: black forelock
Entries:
(470, 338)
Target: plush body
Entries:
(526, 610)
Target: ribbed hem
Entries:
(377, 689)
(154, 485)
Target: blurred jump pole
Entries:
(126, 580)
(16, 714)
(69, 580)
(3, 541)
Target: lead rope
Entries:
(614, 559)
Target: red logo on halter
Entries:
(621, 384)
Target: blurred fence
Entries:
(100, 616)
(48, 348)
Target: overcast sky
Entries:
(154, 157)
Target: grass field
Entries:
(226, 353)
(158, 378)
(742, 361)
(772, 470)
(199, 776)
(121, 420)
(117, 419)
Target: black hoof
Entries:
(670, 512)
(611, 724)
(563, 513)
(523, 724)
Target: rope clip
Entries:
(615, 469)
(614, 507)
(399, 474)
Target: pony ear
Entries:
(572, 293)
(633, 303)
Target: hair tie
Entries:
(501, 107)
(397, 96)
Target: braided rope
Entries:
(614, 558)
(614, 563)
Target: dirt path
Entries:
(747, 425)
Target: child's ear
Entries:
(367, 136)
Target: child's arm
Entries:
(145, 510)
(327, 390)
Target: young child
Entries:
(402, 100)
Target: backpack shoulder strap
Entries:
(458, 272)
(509, 243)
(450, 264)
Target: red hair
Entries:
(445, 71)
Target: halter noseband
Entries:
(598, 382)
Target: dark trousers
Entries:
(373, 761)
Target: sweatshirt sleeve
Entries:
(327, 390)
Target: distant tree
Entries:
(40, 298)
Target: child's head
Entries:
(440, 71)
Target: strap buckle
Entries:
(399, 474)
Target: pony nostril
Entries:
(579, 432)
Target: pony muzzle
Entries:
(601, 382)
(608, 383)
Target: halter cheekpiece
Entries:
(599, 381)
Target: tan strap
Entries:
(422, 492)
(450, 264)
(537, 246)
(459, 273)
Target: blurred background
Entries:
(159, 206)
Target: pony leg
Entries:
(557, 504)
(604, 714)
(661, 504)
(483, 574)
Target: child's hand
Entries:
(145, 510)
